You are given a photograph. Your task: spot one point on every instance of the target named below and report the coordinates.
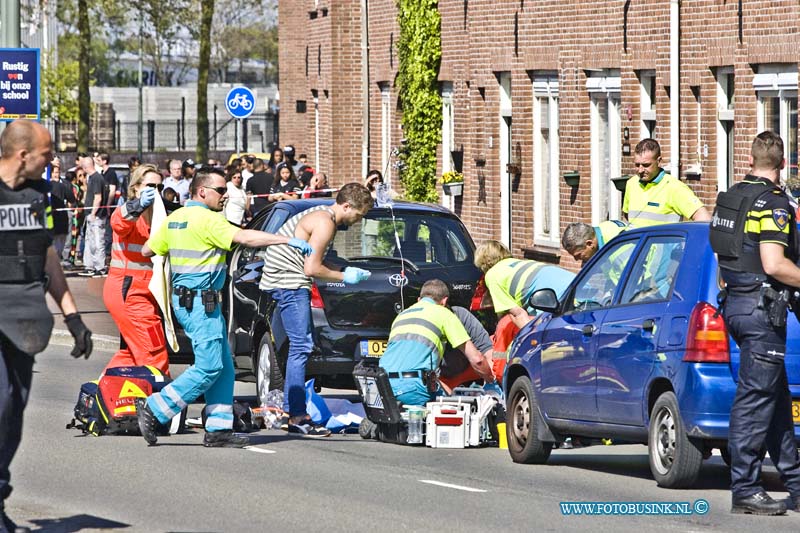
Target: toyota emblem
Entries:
(398, 280)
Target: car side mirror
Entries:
(544, 300)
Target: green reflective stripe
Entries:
(197, 269)
(415, 321)
(130, 265)
(48, 213)
(416, 337)
(522, 279)
(196, 254)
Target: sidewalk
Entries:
(88, 294)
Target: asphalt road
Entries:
(67, 483)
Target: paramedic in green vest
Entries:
(416, 346)
(511, 281)
(652, 196)
(582, 241)
(197, 238)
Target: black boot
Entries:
(147, 421)
(224, 439)
(759, 503)
(8, 526)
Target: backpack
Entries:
(108, 406)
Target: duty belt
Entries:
(210, 298)
(399, 375)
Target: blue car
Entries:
(635, 352)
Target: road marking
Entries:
(450, 485)
(258, 450)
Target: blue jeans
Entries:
(294, 307)
(211, 374)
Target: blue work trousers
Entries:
(761, 415)
(212, 373)
(16, 373)
(294, 306)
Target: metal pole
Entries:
(140, 118)
(215, 127)
(9, 23)
(236, 138)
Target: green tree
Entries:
(419, 52)
(206, 18)
(59, 83)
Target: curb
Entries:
(63, 337)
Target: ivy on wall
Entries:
(419, 52)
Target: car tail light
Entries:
(707, 339)
(316, 297)
(481, 299)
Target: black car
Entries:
(402, 246)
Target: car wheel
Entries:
(268, 371)
(523, 442)
(675, 458)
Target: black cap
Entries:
(188, 163)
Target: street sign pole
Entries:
(240, 104)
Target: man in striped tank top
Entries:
(287, 278)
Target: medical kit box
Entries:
(458, 421)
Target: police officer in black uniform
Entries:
(29, 266)
(758, 284)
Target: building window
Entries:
(448, 132)
(647, 97)
(725, 119)
(546, 223)
(606, 155)
(505, 116)
(776, 88)
(386, 128)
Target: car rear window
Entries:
(423, 239)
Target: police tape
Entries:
(303, 192)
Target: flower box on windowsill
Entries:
(453, 189)
(572, 178)
(621, 182)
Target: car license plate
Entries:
(796, 411)
(373, 347)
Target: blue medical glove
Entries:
(147, 196)
(353, 275)
(301, 245)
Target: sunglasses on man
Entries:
(220, 190)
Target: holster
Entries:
(775, 303)
(430, 378)
(210, 299)
(185, 298)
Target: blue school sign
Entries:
(19, 83)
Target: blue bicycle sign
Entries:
(240, 102)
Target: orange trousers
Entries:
(138, 319)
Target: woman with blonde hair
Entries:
(126, 293)
(511, 282)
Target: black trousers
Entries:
(761, 415)
(16, 372)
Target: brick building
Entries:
(545, 89)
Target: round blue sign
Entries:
(240, 102)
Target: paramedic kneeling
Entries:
(416, 346)
(196, 238)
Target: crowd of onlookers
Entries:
(85, 195)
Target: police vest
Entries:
(25, 224)
(729, 240)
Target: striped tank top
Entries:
(283, 265)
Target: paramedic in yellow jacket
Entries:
(652, 196)
(582, 241)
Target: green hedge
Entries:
(419, 52)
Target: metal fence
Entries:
(254, 134)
